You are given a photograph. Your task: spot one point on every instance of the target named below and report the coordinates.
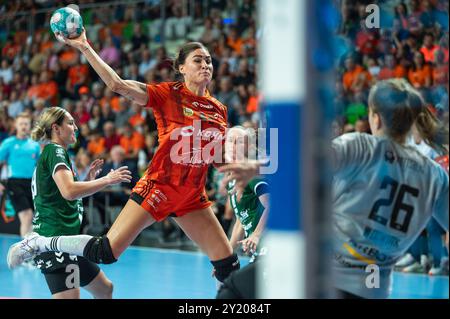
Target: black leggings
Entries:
(241, 284)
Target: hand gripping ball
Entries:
(67, 21)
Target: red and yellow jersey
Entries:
(191, 130)
(443, 161)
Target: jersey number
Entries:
(397, 197)
(33, 185)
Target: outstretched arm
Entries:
(133, 90)
(72, 190)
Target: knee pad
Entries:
(224, 267)
(98, 250)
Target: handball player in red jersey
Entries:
(191, 124)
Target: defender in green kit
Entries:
(57, 195)
(55, 215)
(251, 205)
(251, 214)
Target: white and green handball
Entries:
(67, 22)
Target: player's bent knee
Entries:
(108, 290)
(224, 267)
(98, 250)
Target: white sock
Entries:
(73, 245)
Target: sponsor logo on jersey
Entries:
(187, 111)
(60, 152)
(206, 134)
(389, 156)
(205, 106)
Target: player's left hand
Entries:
(94, 169)
(250, 244)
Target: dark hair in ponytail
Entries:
(389, 99)
(400, 105)
(432, 131)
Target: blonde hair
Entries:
(244, 132)
(43, 128)
(432, 131)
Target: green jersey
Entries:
(249, 209)
(54, 215)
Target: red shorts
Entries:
(165, 200)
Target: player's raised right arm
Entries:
(132, 90)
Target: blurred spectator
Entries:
(33, 89)
(357, 109)
(83, 137)
(234, 41)
(210, 32)
(111, 137)
(228, 96)
(147, 62)
(82, 163)
(366, 40)
(77, 76)
(6, 71)
(420, 73)
(177, 26)
(146, 154)
(138, 39)
(86, 97)
(80, 115)
(244, 75)
(39, 105)
(96, 119)
(38, 60)
(10, 49)
(373, 68)
(131, 141)
(440, 87)
(109, 97)
(118, 194)
(162, 61)
(132, 73)
(47, 89)
(386, 43)
(355, 78)
(16, 105)
(96, 145)
(391, 69)
(253, 100)
(110, 53)
(138, 116)
(108, 114)
(123, 114)
(429, 48)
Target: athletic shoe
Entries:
(22, 251)
(442, 270)
(405, 261)
(438, 271)
(416, 268)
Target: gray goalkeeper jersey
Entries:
(384, 193)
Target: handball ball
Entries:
(67, 21)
